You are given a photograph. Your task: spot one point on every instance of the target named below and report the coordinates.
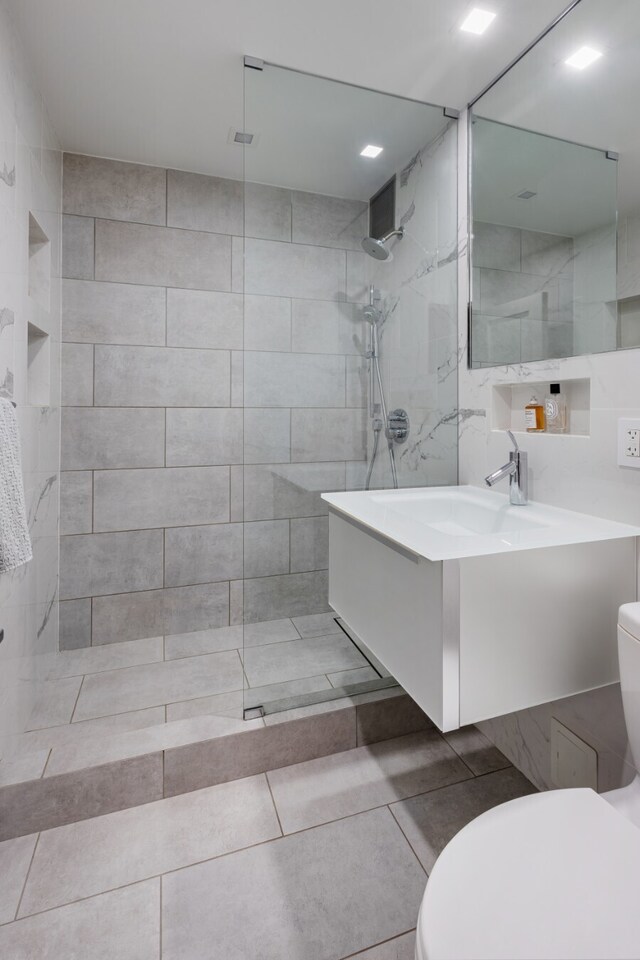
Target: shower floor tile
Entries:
(294, 659)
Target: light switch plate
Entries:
(574, 763)
(629, 443)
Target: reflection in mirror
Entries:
(555, 196)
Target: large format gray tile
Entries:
(112, 656)
(93, 856)
(76, 502)
(200, 437)
(546, 254)
(254, 751)
(95, 564)
(267, 212)
(431, 820)
(266, 548)
(309, 544)
(496, 247)
(18, 768)
(330, 788)
(293, 659)
(386, 714)
(100, 729)
(124, 924)
(148, 685)
(279, 490)
(94, 438)
(175, 497)
(294, 270)
(201, 642)
(15, 857)
(267, 323)
(77, 247)
(203, 554)
(270, 598)
(46, 803)
(267, 435)
(328, 434)
(323, 326)
(400, 948)
(325, 894)
(76, 374)
(316, 624)
(478, 753)
(134, 253)
(293, 380)
(269, 631)
(203, 318)
(75, 624)
(112, 313)
(328, 221)
(131, 616)
(228, 705)
(347, 678)
(199, 202)
(95, 187)
(89, 753)
(55, 700)
(161, 377)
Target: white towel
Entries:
(15, 542)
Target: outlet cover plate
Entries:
(629, 443)
(574, 763)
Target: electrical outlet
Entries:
(629, 443)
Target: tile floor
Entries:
(124, 699)
(322, 860)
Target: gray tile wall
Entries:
(172, 380)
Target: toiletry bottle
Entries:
(555, 410)
(534, 416)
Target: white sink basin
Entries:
(447, 523)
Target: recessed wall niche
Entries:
(39, 264)
(510, 399)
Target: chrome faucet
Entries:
(517, 471)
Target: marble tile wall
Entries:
(30, 182)
(197, 435)
(576, 472)
(419, 331)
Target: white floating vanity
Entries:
(477, 607)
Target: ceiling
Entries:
(161, 81)
(597, 106)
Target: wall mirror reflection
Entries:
(555, 195)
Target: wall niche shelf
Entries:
(510, 399)
(39, 265)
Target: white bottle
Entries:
(555, 409)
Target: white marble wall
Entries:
(419, 331)
(578, 472)
(30, 181)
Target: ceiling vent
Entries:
(526, 195)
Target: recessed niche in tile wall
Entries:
(38, 367)
(39, 264)
(510, 399)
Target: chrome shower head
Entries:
(377, 248)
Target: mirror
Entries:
(555, 195)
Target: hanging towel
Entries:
(15, 543)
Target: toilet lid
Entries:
(556, 875)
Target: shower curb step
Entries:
(279, 741)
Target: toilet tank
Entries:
(629, 657)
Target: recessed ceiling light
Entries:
(477, 21)
(583, 58)
(371, 151)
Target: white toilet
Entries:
(554, 875)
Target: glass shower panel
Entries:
(342, 350)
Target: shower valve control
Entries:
(398, 425)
